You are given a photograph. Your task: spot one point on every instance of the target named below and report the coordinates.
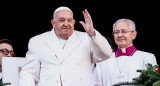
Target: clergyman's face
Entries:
(124, 40)
(63, 23)
(5, 46)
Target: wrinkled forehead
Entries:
(6, 46)
(122, 25)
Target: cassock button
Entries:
(56, 81)
(77, 63)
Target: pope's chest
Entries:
(48, 54)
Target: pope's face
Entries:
(125, 36)
(63, 23)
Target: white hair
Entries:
(132, 24)
(61, 8)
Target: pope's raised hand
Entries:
(88, 24)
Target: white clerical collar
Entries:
(125, 51)
(61, 38)
(62, 41)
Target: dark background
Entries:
(19, 21)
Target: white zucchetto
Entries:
(62, 8)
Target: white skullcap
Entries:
(62, 8)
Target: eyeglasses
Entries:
(122, 32)
(6, 52)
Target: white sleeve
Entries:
(29, 75)
(101, 48)
(151, 59)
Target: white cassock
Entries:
(121, 69)
(52, 61)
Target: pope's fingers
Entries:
(82, 23)
(87, 16)
(87, 13)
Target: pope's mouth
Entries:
(65, 28)
(121, 39)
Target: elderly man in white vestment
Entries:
(64, 56)
(123, 64)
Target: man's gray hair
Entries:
(132, 24)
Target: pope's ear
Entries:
(52, 22)
(74, 21)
